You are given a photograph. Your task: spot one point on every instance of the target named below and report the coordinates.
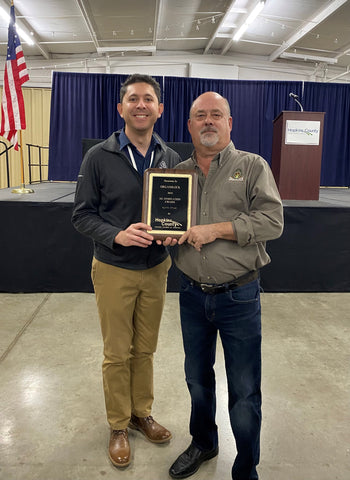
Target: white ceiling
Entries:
(316, 30)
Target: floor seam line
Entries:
(24, 328)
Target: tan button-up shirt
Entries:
(239, 188)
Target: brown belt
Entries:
(212, 289)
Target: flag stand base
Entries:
(22, 189)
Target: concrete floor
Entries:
(52, 419)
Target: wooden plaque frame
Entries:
(169, 201)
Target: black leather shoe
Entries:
(190, 460)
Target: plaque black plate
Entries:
(169, 201)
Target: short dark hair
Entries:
(139, 78)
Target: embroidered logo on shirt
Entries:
(162, 164)
(237, 176)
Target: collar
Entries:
(111, 144)
(124, 140)
(224, 154)
(220, 157)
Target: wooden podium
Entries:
(297, 154)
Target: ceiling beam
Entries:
(215, 34)
(311, 58)
(157, 19)
(128, 48)
(310, 25)
(44, 52)
(344, 51)
(252, 14)
(347, 71)
(25, 25)
(88, 22)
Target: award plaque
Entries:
(169, 201)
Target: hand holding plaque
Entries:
(169, 201)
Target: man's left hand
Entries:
(199, 235)
(168, 242)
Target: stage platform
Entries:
(42, 252)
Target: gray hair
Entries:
(227, 105)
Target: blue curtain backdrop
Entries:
(334, 99)
(84, 106)
(254, 106)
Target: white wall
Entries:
(199, 66)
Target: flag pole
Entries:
(12, 105)
(23, 188)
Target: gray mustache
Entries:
(205, 130)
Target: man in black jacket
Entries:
(129, 269)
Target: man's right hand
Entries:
(135, 235)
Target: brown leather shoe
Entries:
(119, 448)
(150, 428)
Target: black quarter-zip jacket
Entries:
(108, 199)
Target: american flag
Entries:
(12, 106)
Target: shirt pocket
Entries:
(231, 199)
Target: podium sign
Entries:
(300, 132)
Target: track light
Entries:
(22, 34)
(251, 17)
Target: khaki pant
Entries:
(130, 305)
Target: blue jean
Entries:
(236, 315)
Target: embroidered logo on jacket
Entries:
(237, 176)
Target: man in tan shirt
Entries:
(238, 210)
